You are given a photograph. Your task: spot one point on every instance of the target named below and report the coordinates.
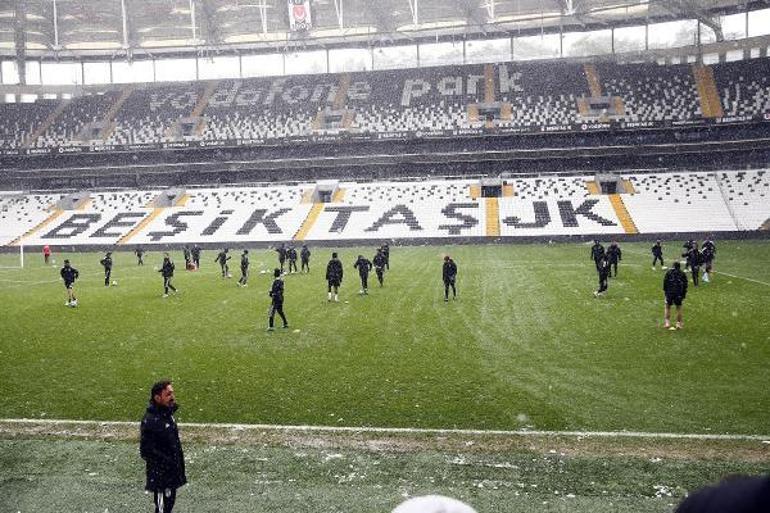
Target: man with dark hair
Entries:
(604, 274)
(196, 256)
(736, 494)
(282, 252)
(334, 277)
(304, 255)
(614, 255)
(708, 254)
(46, 253)
(139, 252)
(187, 257)
(292, 256)
(161, 449)
(379, 266)
(167, 271)
(693, 262)
(657, 254)
(244, 268)
(597, 253)
(449, 275)
(221, 259)
(364, 266)
(675, 291)
(69, 274)
(276, 305)
(107, 264)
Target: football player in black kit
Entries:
(244, 269)
(709, 253)
(693, 261)
(604, 274)
(107, 264)
(614, 255)
(334, 274)
(657, 254)
(167, 271)
(304, 256)
(597, 253)
(222, 259)
(276, 297)
(281, 250)
(291, 254)
(69, 274)
(379, 266)
(449, 275)
(364, 266)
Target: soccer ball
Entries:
(114, 283)
(53, 260)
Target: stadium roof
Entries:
(75, 27)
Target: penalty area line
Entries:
(408, 431)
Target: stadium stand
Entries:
(437, 101)
(67, 128)
(446, 209)
(744, 90)
(20, 121)
(653, 93)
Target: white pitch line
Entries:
(715, 272)
(420, 431)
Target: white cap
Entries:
(433, 504)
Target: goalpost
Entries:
(12, 257)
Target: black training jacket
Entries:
(161, 449)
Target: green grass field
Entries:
(525, 346)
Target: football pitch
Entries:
(525, 346)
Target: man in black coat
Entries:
(276, 297)
(597, 253)
(364, 266)
(736, 494)
(614, 255)
(161, 448)
(334, 277)
(107, 264)
(675, 290)
(449, 275)
(657, 254)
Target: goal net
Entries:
(11, 257)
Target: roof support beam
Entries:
(20, 40)
(56, 46)
(691, 8)
(414, 7)
(338, 7)
(489, 5)
(124, 19)
(263, 16)
(193, 23)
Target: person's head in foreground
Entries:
(433, 504)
